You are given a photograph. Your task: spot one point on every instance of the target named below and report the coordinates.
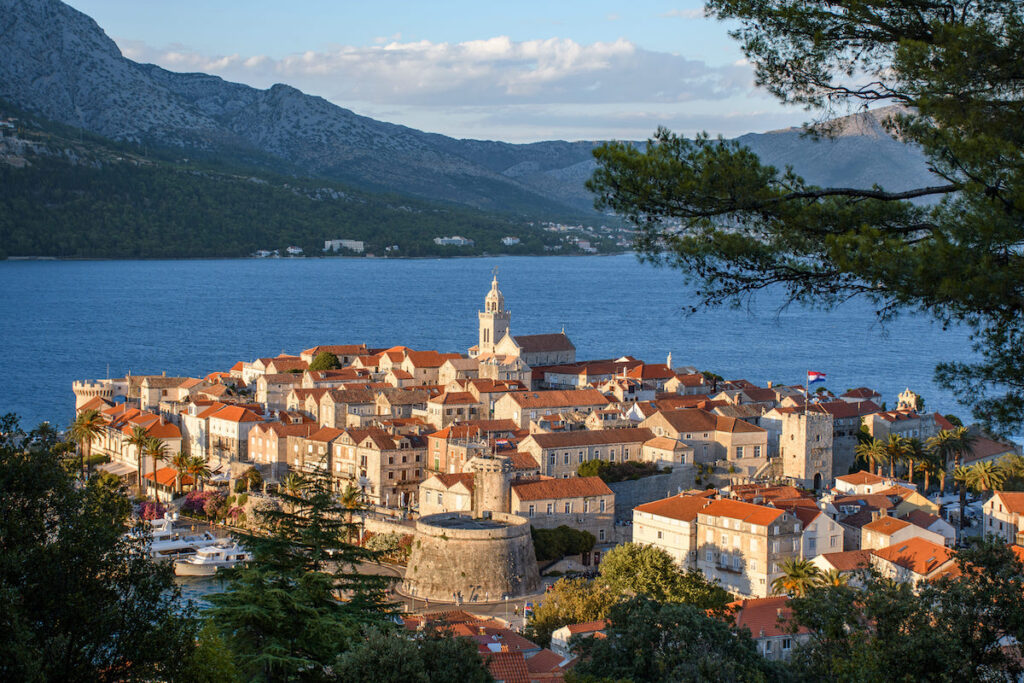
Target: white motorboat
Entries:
(168, 543)
(209, 560)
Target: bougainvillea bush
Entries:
(150, 510)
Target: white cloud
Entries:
(684, 13)
(489, 72)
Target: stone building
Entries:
(670, 524)
(584, 503)
(742, 545)
(560, 454)
(806, 449)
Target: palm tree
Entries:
(798, 576)
(872, 453)
(156, 449)
(913, 453)
(954, 445)
(293, 485)
(895, 451)
(351, 500)
(86, 427)
(139, 438)
(198, 470)
(931, 465)
(833, 577)
(179, 461)
(985, 476)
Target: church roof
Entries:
(540, 343)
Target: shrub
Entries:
(195, 502)
(150, 510)
(554, 544)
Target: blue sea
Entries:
(62, 321)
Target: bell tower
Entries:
(494, 319)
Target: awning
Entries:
(119, 469)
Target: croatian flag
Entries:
(813, 377)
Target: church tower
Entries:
(494, 319)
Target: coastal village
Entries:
(463, 457)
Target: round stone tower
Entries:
(456, 557)
(492, 484)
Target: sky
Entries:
(516, 71)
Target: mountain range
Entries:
(57, 62)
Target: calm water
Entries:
(61, 321)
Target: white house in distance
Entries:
(1004, 516)
(862, 483)
(560, 637)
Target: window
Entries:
(566, 459)
(426, 496)
(586, 506)
(757, 451)
(532, 510)
(551, 508)
(709, 556)
(834, 541)
(568, 508)
(752, 565)
(775, 546)
(736, 562)
(739, 451)
(812, 543)
(601, 506)
(659, 535)
(391, 475)
(775, 529)
(787, 643)
(600, 535)
(551, 460)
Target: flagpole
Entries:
(807, 391)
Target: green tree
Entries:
(653, 641)
(138, 439)
(798, 577)
(554, 544)
(389, 657)
(281, 614)
(157, 450)
(591, 468)
(712, 208)
(984, 476)
(180, 462)
(198, 469)
(636, 569)
(1012, 467)
(81, 600)
(325, 360)
(873, 453)
(952, 446)
(87, 426)
(570, 601)
(957, 628)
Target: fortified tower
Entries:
(494, 319)
(806, 449)
(492, 484)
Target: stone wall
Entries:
(474, 562)
(629, 494)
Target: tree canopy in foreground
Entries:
(952, 249)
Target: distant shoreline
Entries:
(23, 259)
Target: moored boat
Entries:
(209, 560)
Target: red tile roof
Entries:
(599, 437)
(916, 554)
(681, 507)
(860, 478)
(544, 661)
(765, 617)
(539, 343)
(508, 667)
(747, 512)
(450, 480)
(549, 489)
(886, 525)
(523, 461)
(559, 398)
(236, 414)
(849, 560)
(588, 627)
(921, 518)
(165, 477)
(1013, 501)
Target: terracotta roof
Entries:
(862, 392)
(587, 627)
(765, 617)
(236, 414)
(549, 489)
(454, 398)
(281, 378)
(238, 367)
(654, 371)
(805, 514)
(539, 343)
(337, 350)
(747, 512)
(860, 478)
(450, 480)
(165, 477)
(681, 507)
(558, 398)
(523, 461)
(916, 554)
(664, 443)
(285, 429)
(867, 500)
(697, 420)
(190, 382)
(849, 560)
(886, 525)
(897, 415)
(921, 518)
(508, 667)
(587, 437)
(285, 364)
(164, 430)
(544, 661)
(748, 492)
(1013, 501)
(324, 435)
(985, 447)
(95, 403)
(694, 380)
